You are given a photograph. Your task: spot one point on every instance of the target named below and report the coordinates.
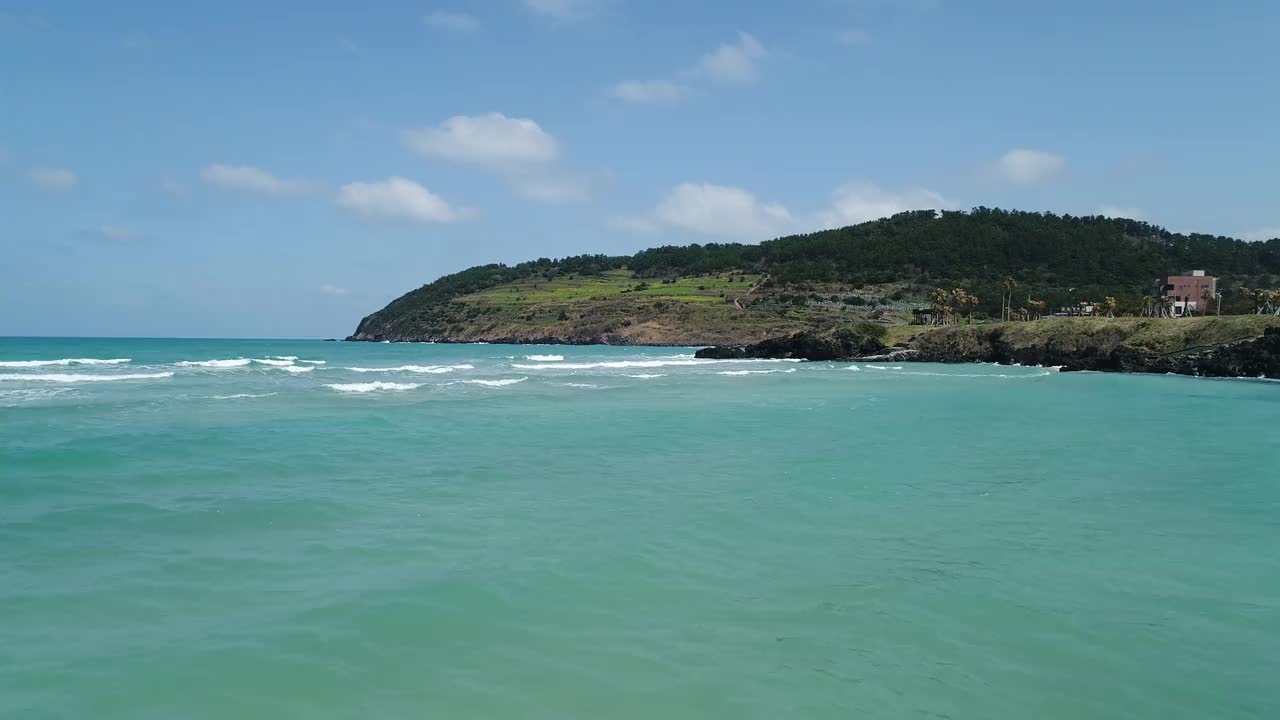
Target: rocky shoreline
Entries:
(1107, 351)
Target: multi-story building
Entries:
(1192, 293)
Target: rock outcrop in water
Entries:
(1242, 346)
(840, 344)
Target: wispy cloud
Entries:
(116, 232)
(1126, 213)
(54, 179)
(563, 10)
(334, 290)
(1262, 234)
(451, 21)
(736, 213)
(1021, 166)
(733, 62)
(246, 178)
(649, 92)
(397, 200)
(861, 202)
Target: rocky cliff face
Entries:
(1208, 347)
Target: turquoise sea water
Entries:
(626, 533)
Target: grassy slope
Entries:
(617, 307)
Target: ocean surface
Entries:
(298, 529)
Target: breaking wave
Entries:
(372, 387)
(544, 358)
(314, 362)
(238, 396)
(236, 362)
(63, 361)
(884, 367)
(275, 363)
(298, 368)
(432, 369)
(495, 383)
(754, 372)
(70, 378)
(647, 376)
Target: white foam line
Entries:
(62, 361)
(544, 358)
(68, 378)
(754, 372)
(372, 387)
(431, 369)
(239, 396)
(647, 376)
(494, 383)
(298, 368)
(235, 362)
(274, 363)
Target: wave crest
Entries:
(73, 378)
(430, 369)
(62, 361)
(234, 362)
(372, 387)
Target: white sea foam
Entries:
(647, 376)
(495, 383)
(63, 361)
(285, 357)
(884, 367)
(754, 372)
(235, 362)
(544, 358)
(588, 386)
(69, 378)
(431, 369)
(275, 363)
(372, 387)
(298, 368)
(239, 396)
(314, 362)
(854, 368)
(678, 360)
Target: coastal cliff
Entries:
(1234, 346)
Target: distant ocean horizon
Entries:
(212, 528)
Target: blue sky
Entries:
(281, 169)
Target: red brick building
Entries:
(1192, 292)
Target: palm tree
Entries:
(1110, 305)
(1006, 300)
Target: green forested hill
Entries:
(789, 282)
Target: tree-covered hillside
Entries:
(1057, 258)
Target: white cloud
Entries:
(116, 232)
(334, 290)
(397, 200)
(1262, 234)
(54, 179)
(516, 149)
(733, 62)
(649, 91)
(1127, 213)
(1024, 167)
(853, 37)
(721, 210)
(492, 140)
(451, 21)
(245, 178)
(562, 9)
(863, 202)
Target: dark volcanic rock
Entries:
(842, 344)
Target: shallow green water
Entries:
(627, 534)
